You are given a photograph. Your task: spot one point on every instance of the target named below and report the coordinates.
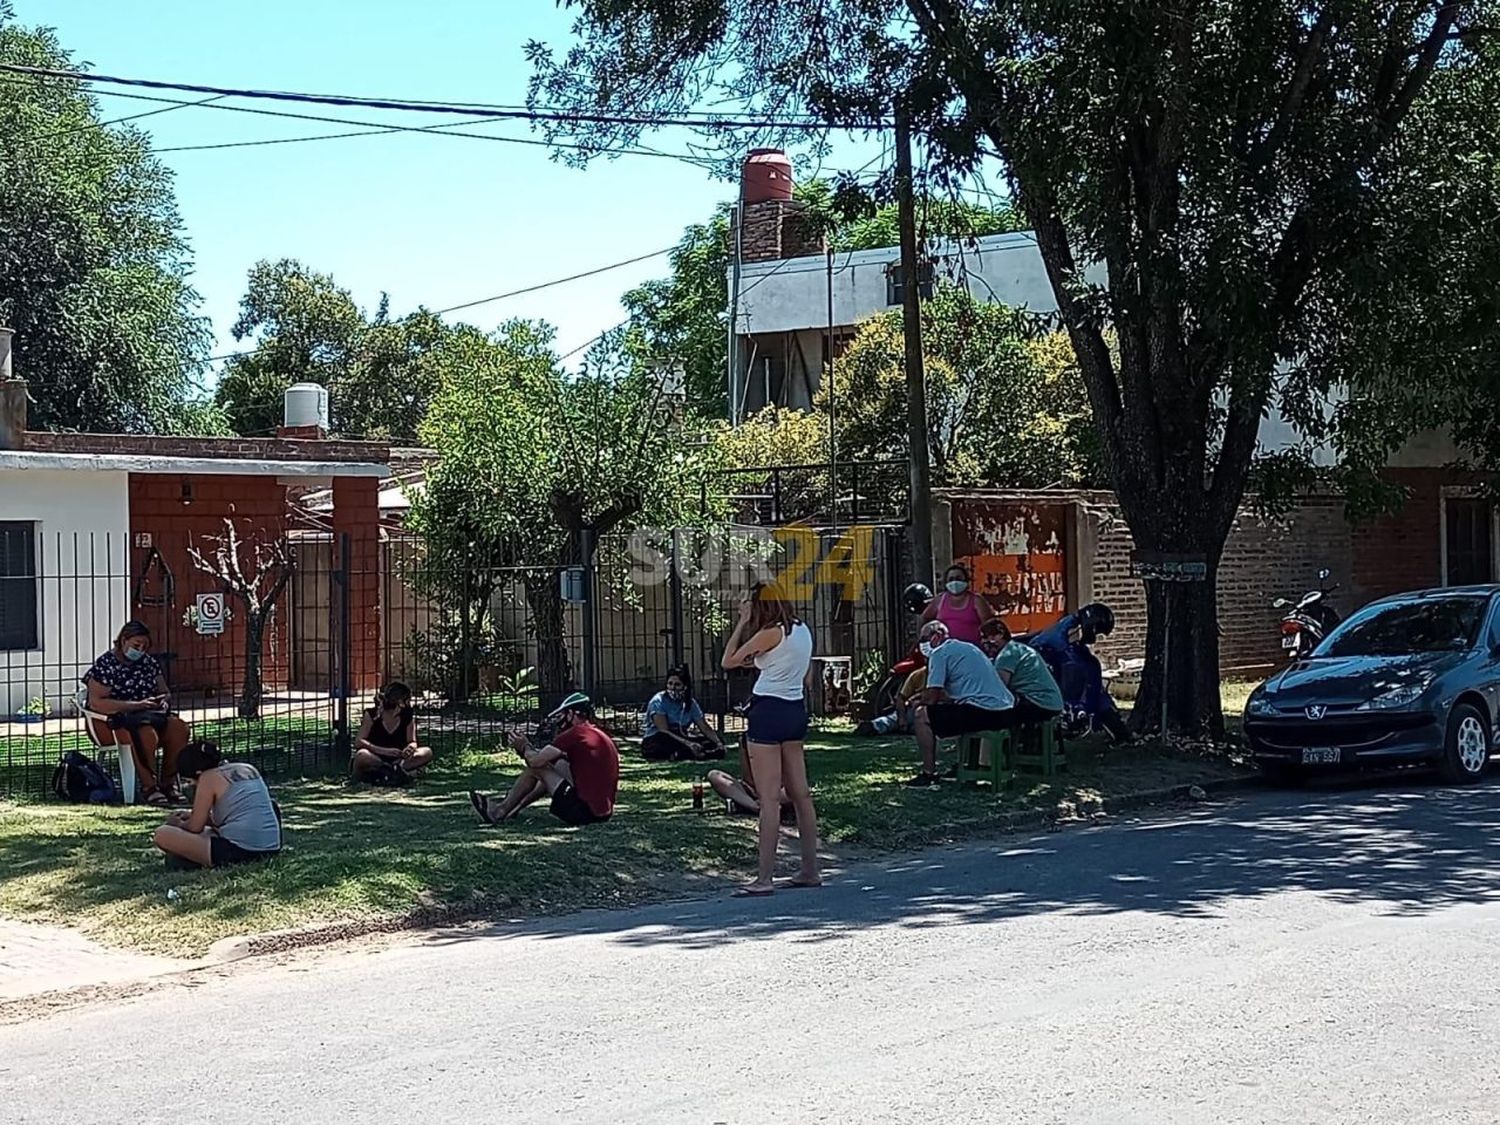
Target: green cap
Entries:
(572, 703)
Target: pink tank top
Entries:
(963, 624)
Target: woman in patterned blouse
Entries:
(127, 687)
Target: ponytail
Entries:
(198, 758)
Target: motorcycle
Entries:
(1307, 621)
(882, 697)
(1087, 704)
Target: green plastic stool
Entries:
(997, 771)
(1037, 748)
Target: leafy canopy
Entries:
(304, 327)
(94, 264)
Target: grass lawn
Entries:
(361, 854)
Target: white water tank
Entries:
(305, 404)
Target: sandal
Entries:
(753, 892)
(155, 798)
(481, 805)
(803, 884)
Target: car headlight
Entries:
(1402, 696)
(1259, 705)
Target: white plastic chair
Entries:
(97, 727)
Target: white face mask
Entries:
(957, 587)
(925, 648)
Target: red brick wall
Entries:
(207, 664)
(1403, 551)
(356, 513)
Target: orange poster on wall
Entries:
(1016, 552)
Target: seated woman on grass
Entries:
(741, 792)
(386, 751)
(675, 728)
(233, 819)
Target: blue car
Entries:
(1409, 680)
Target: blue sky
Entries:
(430, 220)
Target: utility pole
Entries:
(916, 382)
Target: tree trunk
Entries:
(1182, 648)
(252, 691)
(553, 668)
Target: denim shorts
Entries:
(774, 720)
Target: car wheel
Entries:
(1281, 774)
(1466, 753)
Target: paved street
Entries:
(1322, 957)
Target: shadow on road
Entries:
(1413, 850)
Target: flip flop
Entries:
(802, 885)
(481, 805)
(750, 892)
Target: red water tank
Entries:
(767, 175)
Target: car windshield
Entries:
(1431, 625)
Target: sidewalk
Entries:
(36, 959)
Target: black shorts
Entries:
(950, 720)
(572, 809)
(225, 854)
(774, 720)
(662, 747)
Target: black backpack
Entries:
(80, 780)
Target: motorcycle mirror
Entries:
(1280, 603)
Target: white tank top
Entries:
(783, 670)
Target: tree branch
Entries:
(1443, 21)
(1264, 151)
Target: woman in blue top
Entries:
(675, 728)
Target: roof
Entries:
(12, 459)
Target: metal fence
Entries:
(485, 647)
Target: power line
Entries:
(371, 128)
(564, 117)
(119, 120)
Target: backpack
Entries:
(80, 780)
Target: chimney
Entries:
(12, 399)
(773, 226)
(304, 413)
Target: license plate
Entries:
(1320, 756)
(1288, 642)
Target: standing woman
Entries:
(958, 607)
(770, 638)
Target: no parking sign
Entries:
(210, 614)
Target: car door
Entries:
(1487, 663)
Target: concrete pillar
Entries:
(12, 399)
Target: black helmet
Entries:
(915, 597)
(1096, 620)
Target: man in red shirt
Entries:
(580, 768)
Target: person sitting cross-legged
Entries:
(579, 768)
(964, 695)
(386, 751)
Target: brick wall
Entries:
(356, 514)
(174, 519)
(265, 449)
(777, 229)
(1403, 551)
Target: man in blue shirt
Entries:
(964, 695)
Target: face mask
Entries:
(677, 691)
(957, 587)
(134, 654)
(925, 648)
(394, 703)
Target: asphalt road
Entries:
(1328, 957)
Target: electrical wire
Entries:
(118, 120)
(564, 117)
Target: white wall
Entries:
(83, 583)
(792, 294)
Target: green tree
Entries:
(533, 462)
(1225, 161)
(94, 264)
(304, 327)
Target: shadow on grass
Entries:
(1407, 851)
(360, 854)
